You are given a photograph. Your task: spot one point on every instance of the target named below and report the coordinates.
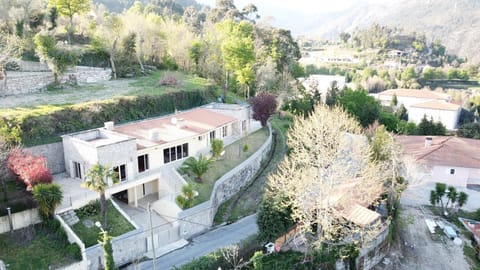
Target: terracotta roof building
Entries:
(453, 160)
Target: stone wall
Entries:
(53, 153)
(200, 218)
(20, 220)
(24, 82)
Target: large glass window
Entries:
(143, 163)
(175, 153)
(78, 170)
(121, 172)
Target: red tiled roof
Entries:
(426, 94)
(444, 151)
(437, 105)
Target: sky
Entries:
(296, 15)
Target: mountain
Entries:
(455, 22)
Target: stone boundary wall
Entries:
(20, 220)
(200, 218)
(24, 82)
(53, 153)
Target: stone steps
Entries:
(70, 217)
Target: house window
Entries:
(200, 138)
(244, 126)
(77, 169)
(224, 131)
(212, 135)
(121, 172)
(143, 163)
(452, 171)
(175, 153)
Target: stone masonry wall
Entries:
(200, 218)
(53, 153)
(23, 82)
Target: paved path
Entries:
(207, 243)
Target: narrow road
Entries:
(207, 243)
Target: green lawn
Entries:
(36, 247)
(234, 155)
(246, 201)
(117, 225)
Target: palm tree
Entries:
(197, 166)
(48, 197)
(462, 199)
(97, 180)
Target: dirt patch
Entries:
(416, 248)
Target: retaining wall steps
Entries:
(70, 217)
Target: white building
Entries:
(138, 151)
(450, 160)
(420, 103)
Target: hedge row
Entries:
(37, 128)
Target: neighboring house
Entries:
(138, 151)
(420, 103)
(440, 111)
(323, 83)
(451, 160)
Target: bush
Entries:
(30, 169)
(245, 147)
(73, 251)
(217, 147)
(169, 81)
(91, 209)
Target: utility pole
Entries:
(151, 236)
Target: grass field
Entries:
(56, 99)
(117, 225)
(35, 247)
(234, 155)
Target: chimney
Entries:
(181, 123)
(173, 120)
(154, 134)
(428, 141)
(109, 125)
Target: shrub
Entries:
(73, 251)
(169, 81)
(28, 168)
(91, 209)
(263, 106)
(186, 198)
(37, 126)
(217, 147)
(198, 167)
(48, 197)
(245, 147)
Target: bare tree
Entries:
(328, 173)
(230, 254)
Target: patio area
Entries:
(74, 195)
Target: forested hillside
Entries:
(223, 44)
(456, 23)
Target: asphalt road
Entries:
(206, 243)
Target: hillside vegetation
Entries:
(454, 22)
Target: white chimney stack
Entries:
(154, 134)
(428, 141)
(109, 125)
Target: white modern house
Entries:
(420, 103)
(139, 151)
(450, 160)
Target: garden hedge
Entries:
(33, 128)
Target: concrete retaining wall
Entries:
(20, 220)
(200, 218)
(53, 153)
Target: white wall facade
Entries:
(453, 176)
(448, 118)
